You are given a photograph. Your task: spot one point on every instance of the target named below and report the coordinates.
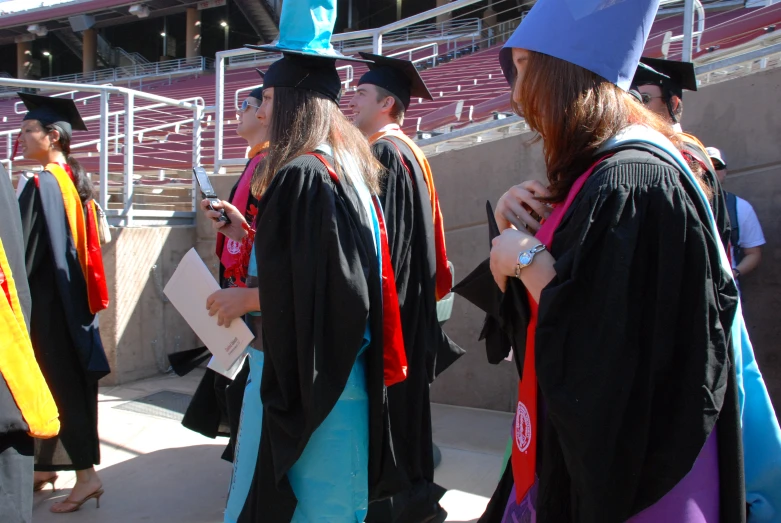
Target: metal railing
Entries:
(228, 57)
(153, 70)
(134, 116)
(409, 52)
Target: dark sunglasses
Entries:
(719, 166)
(647, 98)
(246, 105)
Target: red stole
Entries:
(234, 256)
(524, 448)
(394, 355)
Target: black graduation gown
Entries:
(64, 332)
(407, 208)
(216, 405)
(633, 362)
(718, 200)
(319, 284)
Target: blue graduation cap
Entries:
(606, 37)
(309, 59)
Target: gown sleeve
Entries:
(632, 358)
(312, 261)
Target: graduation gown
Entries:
(63, 330)
(632, 349)
(320, 294)
(693, 148)
(407, 208)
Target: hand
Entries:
(234, 230)
(504, 254)
(232, 303)
(520, 208)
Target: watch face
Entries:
(525, 259)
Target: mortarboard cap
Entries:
(308, 59)
(670, 74)
(400, 77)
(49, 110)
(606, 37)
(258, 91)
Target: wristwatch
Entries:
(525, 258)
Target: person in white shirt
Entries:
(747, 238)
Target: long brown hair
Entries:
(301, 121)
(574, 112)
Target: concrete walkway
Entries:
(156, 471)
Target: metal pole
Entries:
(377, 42)
(128, 207)
(688, 28)
(350, 14)
(103, 198)
(197, 115)
(219, 109)
(116, 133)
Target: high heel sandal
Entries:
(38, 485)
(76, 505)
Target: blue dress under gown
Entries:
(330, 479)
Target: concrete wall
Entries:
(140, 327)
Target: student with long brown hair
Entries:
(330, 324)
(628, 400)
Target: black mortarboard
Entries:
(507, 315)
(49, 110)
(671, 75)
(305, 70)
(397, 76)
(258, 91)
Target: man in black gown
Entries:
(416, 238)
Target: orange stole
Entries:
(84, 231)
(18, 365)
(444, 280)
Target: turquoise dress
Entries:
(330, 479)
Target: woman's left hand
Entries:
(232, 303)
(504, 254)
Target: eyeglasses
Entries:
(246, 105)
(647, 98)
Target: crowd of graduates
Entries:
(613, 285)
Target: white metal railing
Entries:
(149, 70)
(409, 52)
(224, 58)
(132, 132)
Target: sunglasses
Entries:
(246, 105)
(647, 98)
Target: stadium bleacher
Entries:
(467, 84)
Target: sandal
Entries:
(76, 505)
(38, 485)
